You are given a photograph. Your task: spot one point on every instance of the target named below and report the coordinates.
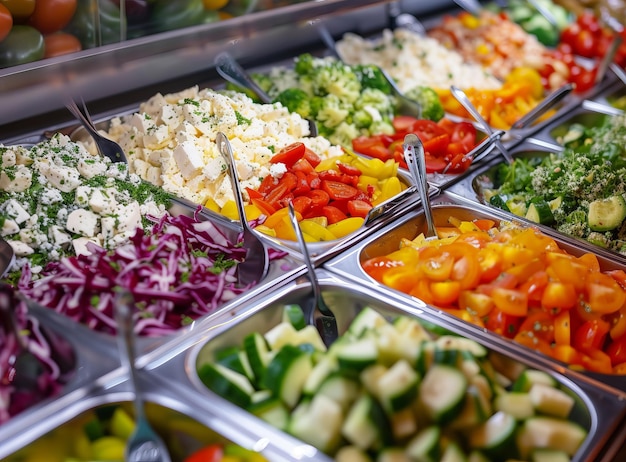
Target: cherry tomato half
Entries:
(6, 22)
(60, 43)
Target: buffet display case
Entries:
(191, 401)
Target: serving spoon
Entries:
(144, 445)
(255, 265)
(232, 71)
(321, 315)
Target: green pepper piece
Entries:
(24, 44)
(84, 24)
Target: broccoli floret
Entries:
(343, 134)
(371, 76)
(429, 101)
(331, 114)
(335, 78)
(575, 224)
(601, 239)
(303, 64)
(296, 100)
(382, 126)
(375, 99)
(363, 118)
(263, 81)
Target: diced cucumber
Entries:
(476, 409)
(393, 455)
(365, 425)
(280, 335)
(539, 212)
(426, 357)
(324, 367)
(452, 342)
(498, 201)
(227, 383)
(318, 422)
(258, 354)
(442, 392)
(551, 401)
(309, 335)
(352, 454)
(398, 386)
(367, 319)
(236, 360)
(453, 453)
(370, 376)
(294, 315)
(272, 410)
(606, 214)
(424, 447)
(287, 372)
(357, 355)
(549, 455)
(394, 346)
(403, 424)
(411, 328)
(549, 433)
(447, 356)
(529, 377)
(340, 388)
(555, 203)
(517, 404)
(495, 437)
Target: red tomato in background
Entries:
(52, 15)
(617, 351)
(6, 22)
(60, 43)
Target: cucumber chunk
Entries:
(529, 377)
(551, 401)
(258, 354)
(539, 211)
(318, 422)
(606, 214)
(397, 387)
(517, 404)
(425, 445)
(287, 372)
(442, 392)
(294, 315)
(271, 410)
(227, 383)
(358, 355)
(495, 437)
(549, 455)
(366, 425)
(549, 433)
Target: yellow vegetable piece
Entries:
(212, 205)
(365, 181)
(275, 218)
(266, 230)
(347, 226)
(82, 446)
(122, 424)
(230, 210)
(328, 164)
(108, 448)
(391, 187)
(371, 167)
(284, 229)
(214, 4)
(252, 212)
(323, 221)
(316, 231)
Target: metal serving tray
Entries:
(348, 265)
(596, 410)
(177, 419)
(92, 359)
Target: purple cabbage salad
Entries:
(24, 379)
(182, 269)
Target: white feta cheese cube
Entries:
(14, 210)
(157, 137)
(59, 236)
(9, 227)
(32, 237)
(18, 181)
(91, 167)
(213, 168)
(83, 222)
(140, 167)
(278, 170)
(188, 158)
(82, 195)
(171, 115)
(8, 158)
(129, 217)
(142, 123)
(67, 179)
(21, 249)
(102, 202)
(107, 225)
(153, 175)
(80, 245)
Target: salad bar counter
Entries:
(458, 179)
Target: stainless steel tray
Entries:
(600, 412)
(348, 265)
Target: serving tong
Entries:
(231, 71)
(321, 316)
(106, 147)
(256, 264)
(415, 160)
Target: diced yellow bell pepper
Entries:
(346, 226)
(212, 205)
(328, 164)
(365, 181)
(230, 210)
(275, 218)
(316, 231)
(284, 229)
(252, 211)
(265, 230)
(322, 221)
(390, 187)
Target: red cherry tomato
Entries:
(60, 43)
(617, 351)
(289, 155)
(591, 335)
(6, 22)
(213, 453)
(52, 15)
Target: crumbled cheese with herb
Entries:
(170, 141)
(56, 196)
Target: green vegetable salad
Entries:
(580, 192)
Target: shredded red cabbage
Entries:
(14, 398)
(183, 269)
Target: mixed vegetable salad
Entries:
(392, 388)
(579, 192)
(517, 283)
(101, 434)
